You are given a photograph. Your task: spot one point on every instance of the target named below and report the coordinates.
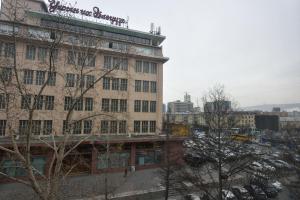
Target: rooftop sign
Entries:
(55, 5)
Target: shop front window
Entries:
(148, 157)
(14, 168)
(114, 160)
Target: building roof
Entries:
(290, 119)
(99, 26)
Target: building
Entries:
(289, 123)
(124, 108)
(245, 119)
(217, 106)
(267, 122)
(181, 107)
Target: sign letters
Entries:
(55, 5)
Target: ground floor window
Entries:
(113, 160)
(148, 157)
(15, 168)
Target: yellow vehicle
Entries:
(242, 137)
(182, 130)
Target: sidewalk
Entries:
(88, 187)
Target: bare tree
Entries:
(20, 145)
(215, 161)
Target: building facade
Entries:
(113, 74)
(181, 107)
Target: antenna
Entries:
(127, 22)
(152, 27)
(159, 31)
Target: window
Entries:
(105, 105)
(122, 127)
(153, 87)
(145, 106)
(152, 106)
(71, 57)
(9, 50)
(87, 126)
(115, 84)
(47, 130)
(38, 102)
(28, 76)
(152, 126)
(123, 85)
(68, 127)
(124, 64)
(78, 104)
(13, 168)
(40, 77)
(123, 105)
(23, 126)
(30, 52)
(146, 67)
(116, 63)
(114, 105)
(89, 104)
(149, 157)
(2, 127)
(113, 127)
(90, 81)
(3, 101)
(54, 54)
(115, 160)
(104, 126)
(153, 68)
(80, 81)
(36, 127)
(144, 126)
(137, 126)
(25, 101)
(5, 74)
(82, 59)
(137, 106)
(68, 103)
(145, 86)
(106, 83)
(77, 128)
(49, 102)
(91, 60)
(138, 66)
(70, 82)
(51, 78)
(107, 62)
(42, 54)
(138, 86)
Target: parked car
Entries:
(228, 195)
(241, 193)
(191, 197)
(256, 166)
(270, 190)
(256, 192)
(285, 164)
(193, 160)
(268, 167)
(277, 185)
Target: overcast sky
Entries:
(250, 46)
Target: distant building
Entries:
(245, 119)
(181, 107)
(217, 106)
(164, 108)
(267, 122)
(289, 122)
(276, 109)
